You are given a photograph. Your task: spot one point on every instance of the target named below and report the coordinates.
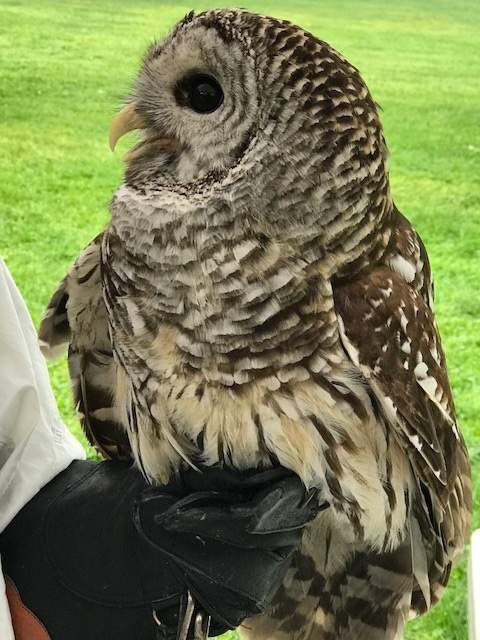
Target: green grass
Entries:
(65, 65)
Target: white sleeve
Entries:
(35, 445)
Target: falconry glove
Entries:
(100, 554)
(231, 538)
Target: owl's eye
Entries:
(204, 93)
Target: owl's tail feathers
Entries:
(375, 595)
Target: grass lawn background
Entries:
(64, 67)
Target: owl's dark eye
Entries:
(204, 94)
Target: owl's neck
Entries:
(244, 302)
(243, 305)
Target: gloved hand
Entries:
(232, 541)
(99, 554)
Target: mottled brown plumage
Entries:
(257, 299)
(77, 317)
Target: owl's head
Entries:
(234, 98)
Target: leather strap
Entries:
(26, 625)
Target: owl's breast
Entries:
(234, 358)
(314, 417)
(229, 323)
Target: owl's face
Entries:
(254, 105)
(197, 103)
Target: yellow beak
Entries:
(126, 120)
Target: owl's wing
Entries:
(76, 317)
(54, 331)
(389, 331)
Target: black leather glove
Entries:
(232, 541)
(100, 555)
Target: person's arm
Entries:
(34, 443)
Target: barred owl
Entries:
(257, 299)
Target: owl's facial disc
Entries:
(195, 105)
